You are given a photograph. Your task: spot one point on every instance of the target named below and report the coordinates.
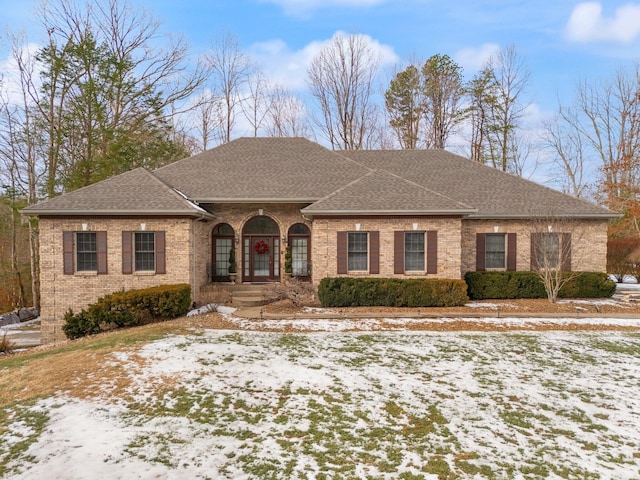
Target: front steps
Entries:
(242, 295)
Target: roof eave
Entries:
(585, 216)
(405, 213)
(105, 213)
(254, 200)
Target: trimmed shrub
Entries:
(133, 307)
(511, 285)
(589, 285)
(391, 292)
(504, 285)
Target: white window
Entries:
(358, 251)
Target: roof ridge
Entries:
(336, 192)
(427, 189)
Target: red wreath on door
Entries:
(261, 247)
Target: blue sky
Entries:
(560, 41)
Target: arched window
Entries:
(299, 238)
(223, 242)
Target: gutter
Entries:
(388, 212)
(128, 213)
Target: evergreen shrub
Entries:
(512, 285)
(391, 292)
(128, 308)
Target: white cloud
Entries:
(587, 23)
(289, 67)
(472, 59)
(10, 74)
(303, 7)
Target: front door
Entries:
(261, 258)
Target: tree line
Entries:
(107, 92)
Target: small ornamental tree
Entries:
(551, 251)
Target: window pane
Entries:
(495, 251)
(299, 256)
(223, 246)
(358, 251)
(86, 252)
(549, 250)
(145, 251)
(414, 251)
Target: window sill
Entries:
(145, 273)
(87, 273)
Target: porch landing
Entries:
(240, 295)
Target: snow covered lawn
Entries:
(222, 404)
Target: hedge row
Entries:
(133, 307)
(391, 292)
(511, 285)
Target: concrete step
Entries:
(248, 301)
(242, 295)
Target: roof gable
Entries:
(262, 169)
(382, 192)
(132, 193)
(495, 194)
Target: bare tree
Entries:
(286, 116)
(21, 154)
(603, 125)
(256, 103)
(566, 144)
(553, 240)
(341, 79)
(207, 116)
(506, 106)
(230, 69)
(109, 95)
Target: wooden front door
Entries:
(261, 255)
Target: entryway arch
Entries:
(260, 250)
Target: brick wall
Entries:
(60, 292)
(588, 241)
(324, 243)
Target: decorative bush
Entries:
(511, 285)
(391, 292)
(133, 307)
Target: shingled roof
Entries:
(137, 192)
(264, 170)
(296, 170)
(494, 194)
(381, 192)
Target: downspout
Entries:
(193, 261)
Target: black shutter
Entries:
(127, 252)
(536, 238)
(432, 251)
(512, 249)
(480, 252)
(565, 251)
(67, 252)
(374, 252)
(161, 264)
(342, 252)
(101, 252)
(398, 252)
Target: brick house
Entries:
(395, 213)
